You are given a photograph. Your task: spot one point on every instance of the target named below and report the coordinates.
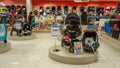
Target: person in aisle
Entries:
(30, 18)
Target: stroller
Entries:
(90, 41)
(27, 30)
(72, 32)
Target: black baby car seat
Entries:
(73, 29)
(90, 41)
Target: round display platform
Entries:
(63, 55)
(22, 38)
(41, 31)
(4, 47)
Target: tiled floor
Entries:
(34, 54)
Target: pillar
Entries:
(29, 6)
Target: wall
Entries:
(71, 3)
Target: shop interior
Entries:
(59, 34)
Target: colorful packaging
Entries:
(77, 48)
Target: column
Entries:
(29, 6)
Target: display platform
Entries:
(41, 30)
(4, 47)
(22, 38)
(63, 55)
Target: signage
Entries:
(18, 25)
(55, 30)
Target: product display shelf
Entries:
(41, 31)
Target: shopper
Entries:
(30, 18)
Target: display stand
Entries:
(41, 31)
(55, 34)
(4, 47)
(22, 38)
(64, 56)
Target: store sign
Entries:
(55, 30)
(18, 25)
(81, 0)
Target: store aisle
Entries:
(34, 54)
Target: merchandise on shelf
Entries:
(59, 10)
(66, 9)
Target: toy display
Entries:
(48, 10)
(83, 17)
(53, 9)
(35, 20)
(41, 10)
(91, 10)
(66, 9)
(59, 10)
(82, 9)
(100, 11)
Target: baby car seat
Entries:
(90, 41)
(66, 10)
(59, 10)
(27, 29)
